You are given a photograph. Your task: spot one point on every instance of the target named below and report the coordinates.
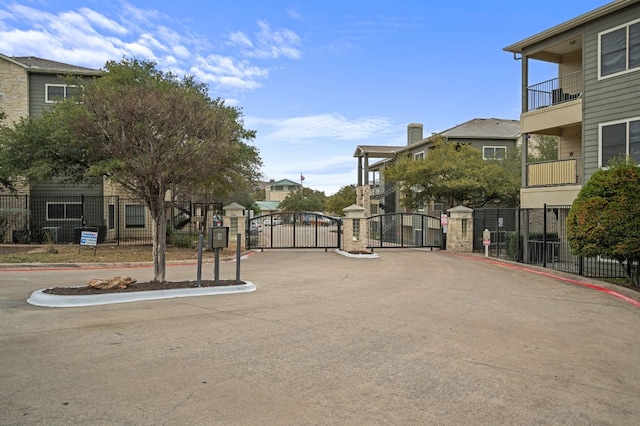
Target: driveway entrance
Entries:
(413, 337)
(294, 230)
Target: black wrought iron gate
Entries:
(394, 230)
(294, 230)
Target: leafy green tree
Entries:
(147, 131)
(345, 197)
(604, 219)
(546, 149)
(300, 202)
(454, 174)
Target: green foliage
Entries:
(300, 201)
(345, 197)
(142, 128)
(546, 149)
(455, 174)
(604, 219)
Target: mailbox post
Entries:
(218, 239)
(486, 241)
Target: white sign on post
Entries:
(89, 238)
(444, 222)
(486, 241)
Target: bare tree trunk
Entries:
(159, 230)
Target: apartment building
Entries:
(591, 103)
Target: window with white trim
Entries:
(494, 152)
(64, 211)
(57, 92)
(418, 156)
(134, 216)
(619, 50)
(619, 137)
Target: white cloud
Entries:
(269, 44)
(89, 38)
(240, 39)
(103, 22)
(322, 126)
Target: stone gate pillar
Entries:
(234, 217)
(354, 227)
(460, 230)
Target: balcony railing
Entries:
(555, 91)
(552, 173)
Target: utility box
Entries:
(218, 237)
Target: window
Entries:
(494, 152)
(112, 216)
(56, 92)
(64, 211)
(418, 156)
(465, 229)
(134, 216)
(356, 229)
(620, 137)
(619, 49)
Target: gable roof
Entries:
(284, 182)
(376, 151)
(268, 205)
(569, 25)
(46, 66)
(485, 128)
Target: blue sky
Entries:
(314, 78)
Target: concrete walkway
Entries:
(413, 337)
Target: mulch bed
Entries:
(140, 286)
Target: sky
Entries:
(314, 79)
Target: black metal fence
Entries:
(28, 219)
(538, 237)
(502, 223)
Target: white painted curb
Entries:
(39, 298)
(358, 256)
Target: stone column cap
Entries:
(354, 211)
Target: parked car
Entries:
(254, 228)
(268, 221)
(319, 218)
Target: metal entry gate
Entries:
(294, 230)
(394, 230)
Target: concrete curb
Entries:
(357, 256)
(39, 298)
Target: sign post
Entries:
(486, 241)
(90, 239)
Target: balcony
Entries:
(554, 173)
(555, 91)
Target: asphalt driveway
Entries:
(414, 337)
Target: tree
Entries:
(300, 202)
(454, 174)
(604, 219)
(345, 197)
(147, 131)
(546, 149)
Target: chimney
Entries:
(414, 133)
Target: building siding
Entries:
(609, 99)
(37, 86)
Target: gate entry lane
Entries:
(414, 336)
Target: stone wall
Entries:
(14, 91)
